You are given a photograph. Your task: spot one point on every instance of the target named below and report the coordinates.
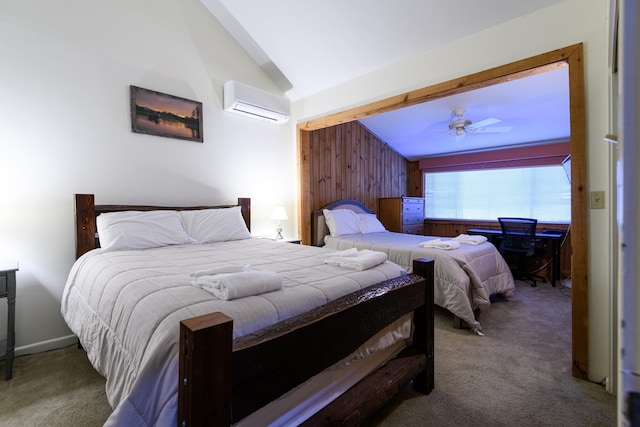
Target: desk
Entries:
(554, 238)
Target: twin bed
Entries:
(467, 272)
(175, 352)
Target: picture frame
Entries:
(160, 114)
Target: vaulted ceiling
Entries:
(285, 36)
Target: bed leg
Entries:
(204, 388)
(457, 322)
(423, 336)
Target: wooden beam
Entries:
(571, 56)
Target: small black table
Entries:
(553, 237)
(8, 291)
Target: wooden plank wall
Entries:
(349, 162)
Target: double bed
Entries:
(175, 351)
(466, 274)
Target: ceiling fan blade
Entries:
(484, 123)
(493, 129)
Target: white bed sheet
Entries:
(125, 308)
(464, 278)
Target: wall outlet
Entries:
(597, 200)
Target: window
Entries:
(541, 192)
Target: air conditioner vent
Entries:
(252, 102)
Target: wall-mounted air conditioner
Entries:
(252, 102)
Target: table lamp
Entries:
(279, 214)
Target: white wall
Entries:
(566, 23)
(65, 122)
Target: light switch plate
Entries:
(597, 200)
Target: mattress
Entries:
(465, 278)
(125, 308)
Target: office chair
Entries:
(519, 238)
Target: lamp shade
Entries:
(279, 213)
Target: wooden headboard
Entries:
(319, 227)
(86, 212)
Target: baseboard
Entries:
(41, 346)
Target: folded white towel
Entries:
(361, 260)
(221, 270)
(470, 240)
(441, 244)
(346, 252)
(230, 286)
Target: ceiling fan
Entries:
(460, 126)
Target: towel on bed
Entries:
(441, 244)
(222, 269)
(347, 252)
(358, 260)
(470, 240)
(228, 286)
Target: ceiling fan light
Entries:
(458, 124)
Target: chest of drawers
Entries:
(402, 214)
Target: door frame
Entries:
(571, 57)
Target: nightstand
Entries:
(283, 240)
(8, 291)
(289, 240)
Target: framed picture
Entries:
(156, 113)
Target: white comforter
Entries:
(464, 277)
(125, 307)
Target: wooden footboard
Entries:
(222, 381)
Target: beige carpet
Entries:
(55, 388)
(518, 374)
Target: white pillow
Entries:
(341, 221)
(369, 223)
(215, 225)
(140, 230)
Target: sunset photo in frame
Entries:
(156, 113)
